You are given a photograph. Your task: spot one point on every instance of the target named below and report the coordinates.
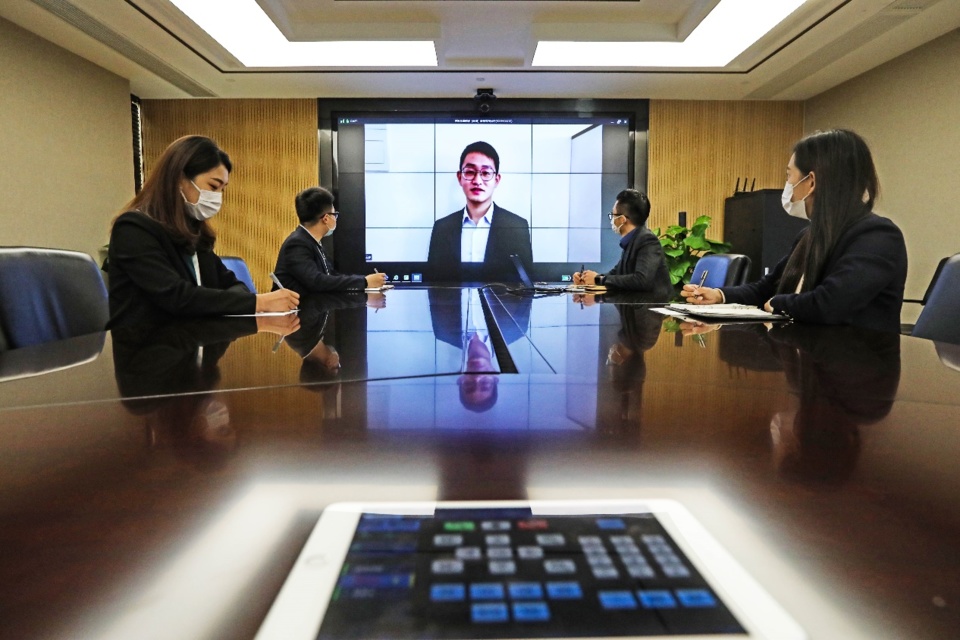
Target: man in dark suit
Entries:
(302, 264)
(476, 242)
(642, 265)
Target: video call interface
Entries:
(397, 176)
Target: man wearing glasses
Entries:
(476, 242)
(302, 264)
(642, 265)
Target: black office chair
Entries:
(723, 270)
(240, 269)
(940, 318)
(49, 294)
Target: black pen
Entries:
(581, 274)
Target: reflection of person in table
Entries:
(478, 240)
(844, 378)
(457, 320)
(849, 266)
(642, 265)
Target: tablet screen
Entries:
(508, 573)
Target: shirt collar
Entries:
(487, 217)
(625, 240)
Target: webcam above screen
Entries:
(432, 199)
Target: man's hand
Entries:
(588, 277)
(376, 280)
(277, 301)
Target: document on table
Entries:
(726, 312)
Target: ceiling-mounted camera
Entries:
(484, 100)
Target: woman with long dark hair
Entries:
(161, 260)
(849, 266)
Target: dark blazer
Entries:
(509, 234)
(151, 283)
(862, 282)
(642, 267)
(303, 267)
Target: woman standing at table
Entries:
(849, 266)
(161, 260)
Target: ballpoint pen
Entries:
(703, 278)
(581, 274)
(276, 281)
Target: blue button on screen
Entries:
(451, 592)
(526, 591)
(617, 600)
(531, 612)
(696, 598)
(611, 524)
(486, 591)
(489, 612)
(657, 599)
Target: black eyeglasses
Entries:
(334, 213)
(485, 174)
(611, 216)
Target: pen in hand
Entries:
(581, 274)
(703, 278)
(276, 281)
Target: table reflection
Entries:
(844, 379)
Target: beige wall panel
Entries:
(66, 164)
(908, 111)
(699, 148)
(273, 146)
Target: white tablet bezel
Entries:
(301, 604)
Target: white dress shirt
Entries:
(474, 236)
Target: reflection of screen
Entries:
(397, 176)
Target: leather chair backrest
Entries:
(723, 270)
(49, 294)
(940, 318)
(240, 269)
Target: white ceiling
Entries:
(487, 43)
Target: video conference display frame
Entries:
(439, 127)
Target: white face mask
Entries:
(207, 205)
(331, 229)
(796, 209)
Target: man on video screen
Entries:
(476, 242)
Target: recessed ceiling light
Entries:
(243, 29)
(725, 33)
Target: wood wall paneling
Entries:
(699, 148)
(273, 146)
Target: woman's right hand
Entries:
(701, 295)
(279, 301)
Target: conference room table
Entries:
(160, 482)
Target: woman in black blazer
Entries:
(849, 266)
(161, 260)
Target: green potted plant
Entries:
(684, 246)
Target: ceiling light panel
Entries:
(724, 33)
(242, 28)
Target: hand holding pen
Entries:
(698, 294)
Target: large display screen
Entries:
(546, 183)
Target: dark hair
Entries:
(479, 407)
(481, 147)
(313, 203)
(845, 190)
(635, 205)
(161, 198)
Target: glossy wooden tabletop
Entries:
(160, 483)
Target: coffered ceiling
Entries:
(682, 49)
